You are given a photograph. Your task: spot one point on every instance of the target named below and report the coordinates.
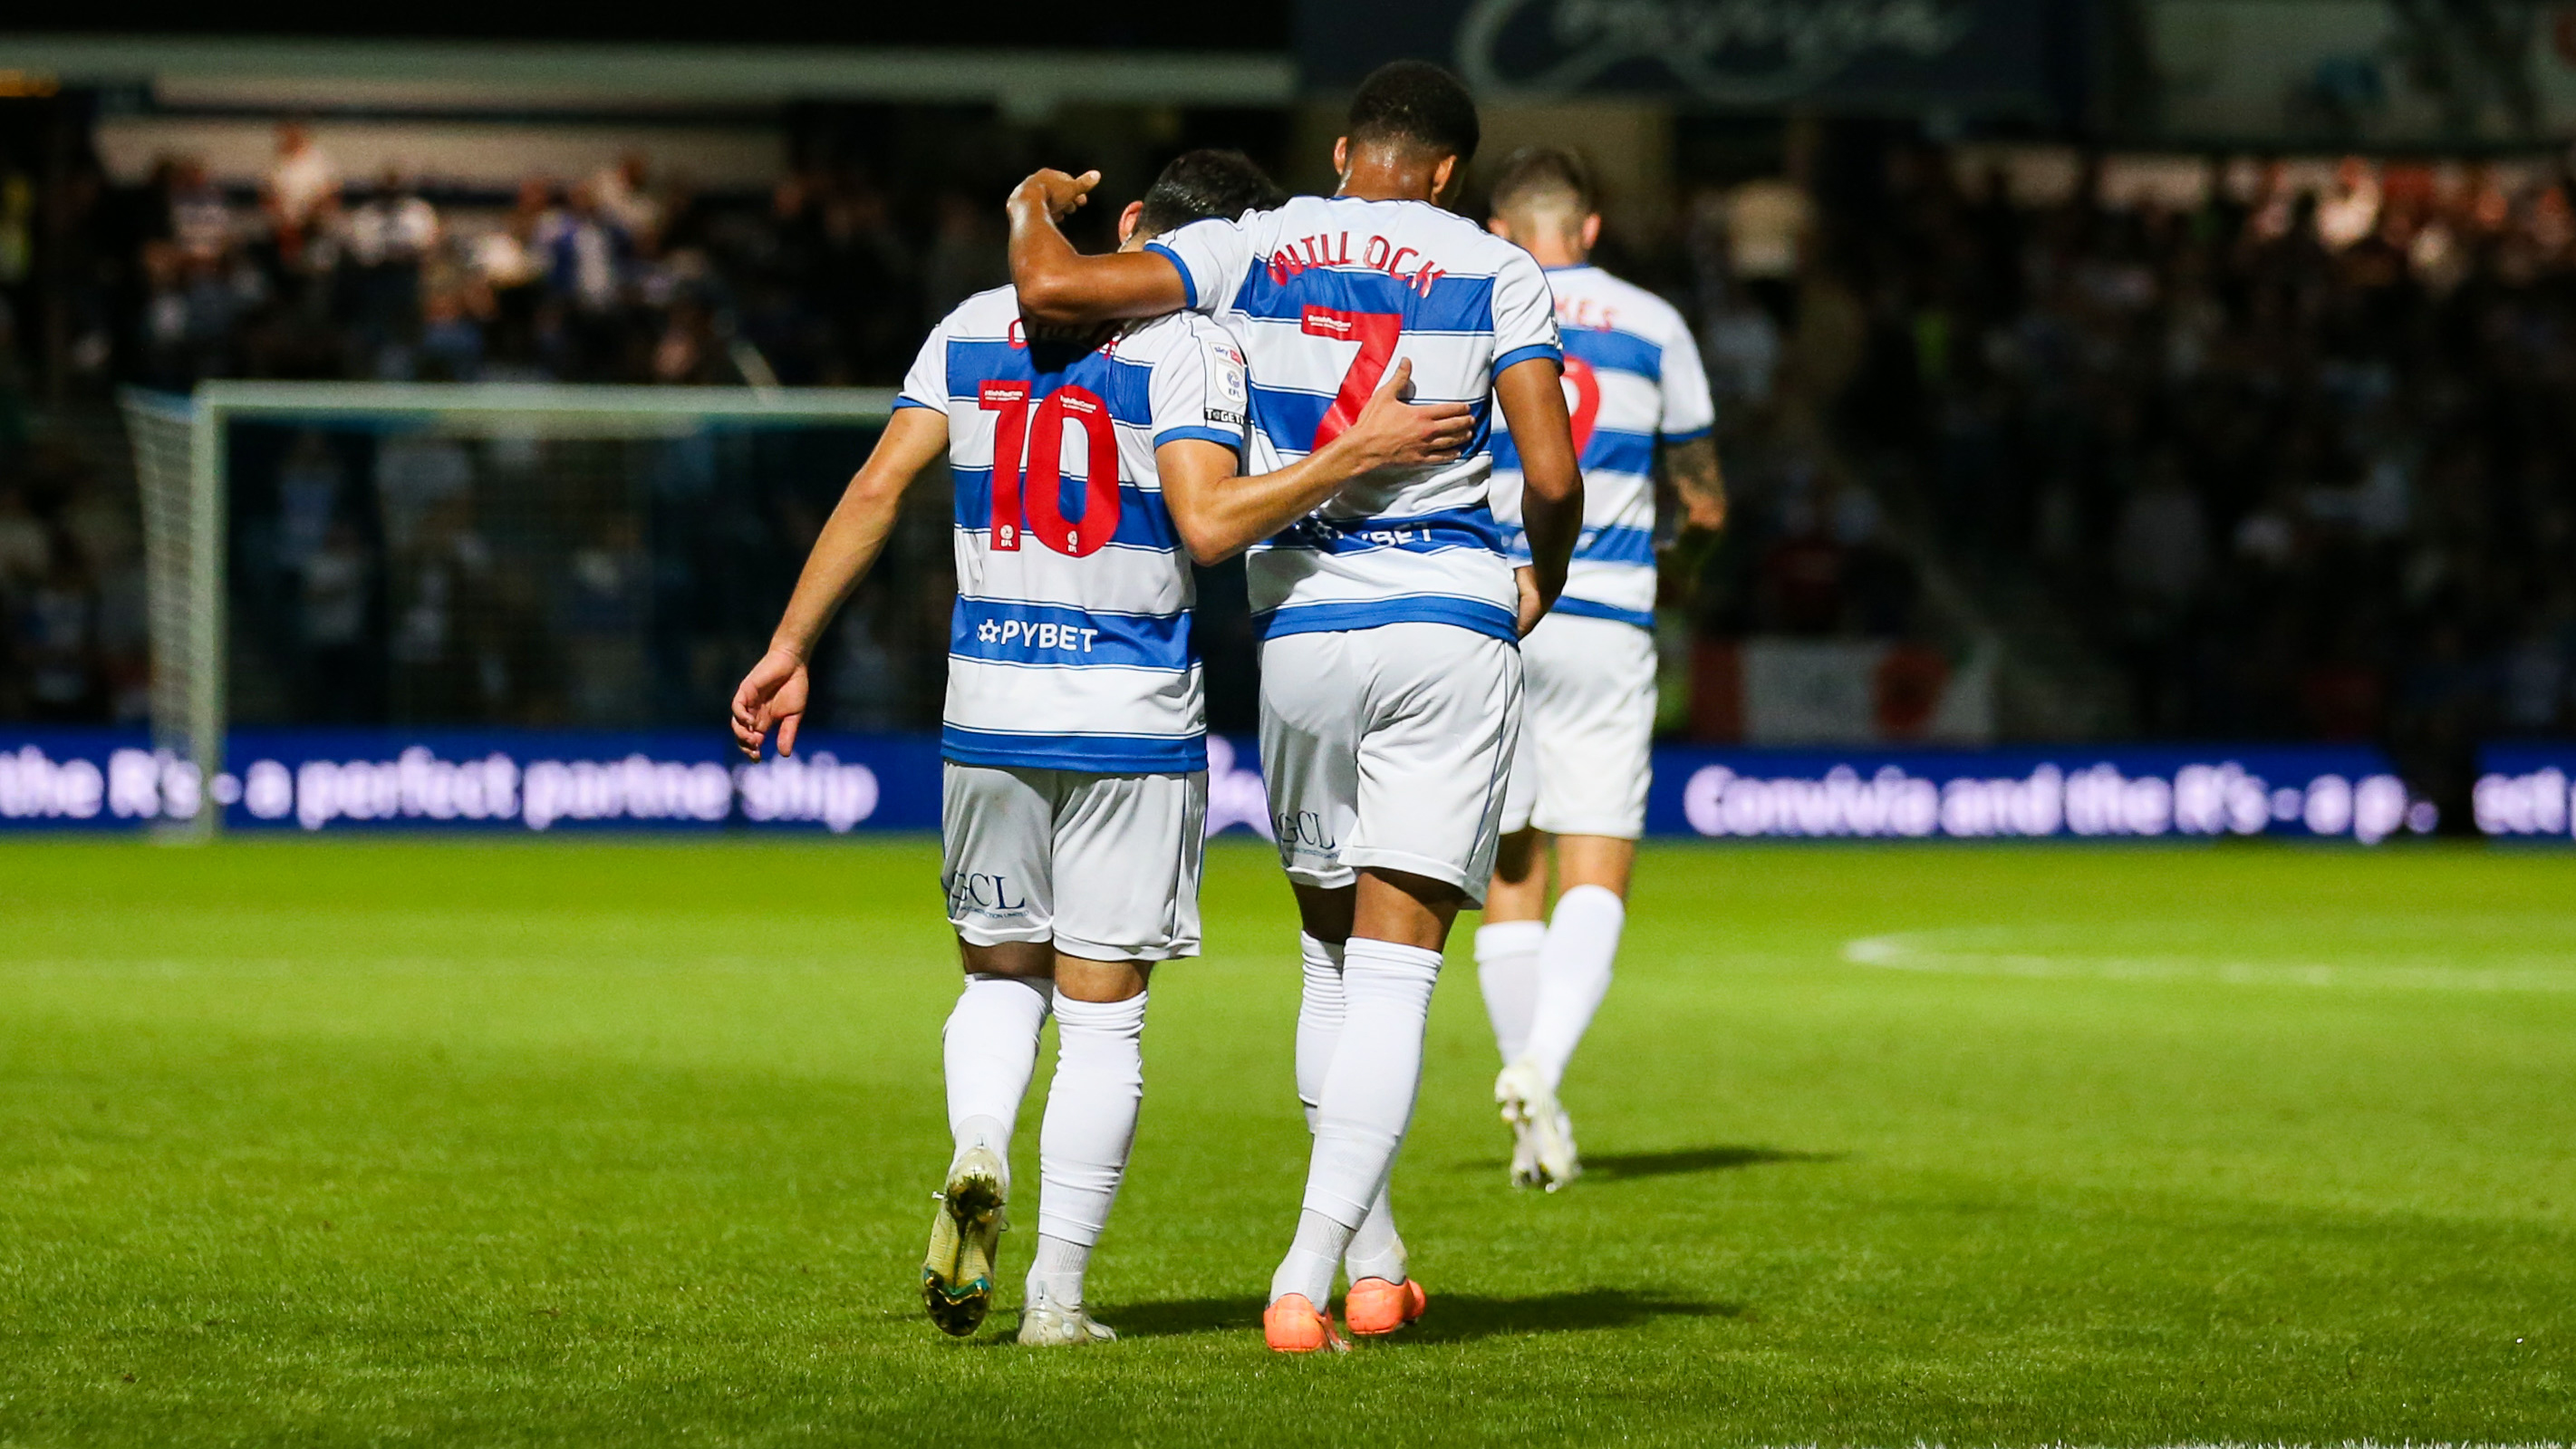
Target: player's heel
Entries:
(958, 1270)
(1543, 1151)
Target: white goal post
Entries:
(180, 456)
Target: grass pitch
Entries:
(622, 1143)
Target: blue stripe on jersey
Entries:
(1586, 609)
(1342, 617)
(1618, 544)
(1009, 631)
(1519, 355)
(900, 403)
(1617, 351)
(1692, 435)
(1456, 304)
(1218, 436)
(1604, 452)
(1143, 521)
(1419, 533)
(1127, 387)
(1189, 288)
(1089, 754)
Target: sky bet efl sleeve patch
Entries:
(1229, 398)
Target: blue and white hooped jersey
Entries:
(1326, 293)
(1632, 377)
(1070, 647)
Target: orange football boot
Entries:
(1375, 1307)
(1295, 1325)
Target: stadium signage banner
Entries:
(540, 781)
(2524, 792)
(1966, 53)
(2344, 793)
(555, 782)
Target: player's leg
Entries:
(1128, 850)
(1383, 1297)
(995, 869)
(1085, 1138)
(1515, 906)
(1309, 732)
(1591, 717)
(1440, 712)
(1582, 944)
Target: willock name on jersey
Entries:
(1326, 293)
(1632, 375)
(1070, 645)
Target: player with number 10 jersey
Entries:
(1074, 787)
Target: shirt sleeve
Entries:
(1199, 392)
(1688, 411)
(926, 385)
(1524, 314)
(1213, 256)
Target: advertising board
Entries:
(340, 781)
(2524, 792)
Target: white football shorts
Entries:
(1104, 866)
(1388, 748)
(1587, 729)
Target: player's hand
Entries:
(1393, 433)
(1533, 603)
(1062, 195)
(772, 695)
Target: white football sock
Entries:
(1376, 1251)
(1367, 1103)
(991, 1049)
(1308, 1268)
(1090, 1115)
(1573, 975)
(1055, 1274)
(1507, 972)
(1319, 1020)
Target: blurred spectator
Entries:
(390, 238)
(303, 189)
(968, 253)
(606, 597)
(625, 198)
(201, 218)
(1767, 222)
(56, 628)
(2161, 552)
(26, 550)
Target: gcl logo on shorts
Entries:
(1303, 832)
(975, 893)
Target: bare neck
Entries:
(1549, 246)
(1386, 173)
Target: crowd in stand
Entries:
(620, 276)
(608, 278)
(2300, 457)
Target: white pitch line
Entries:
(1901, 952)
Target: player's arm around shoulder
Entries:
(1220, 514)
(774, 694)
(1061, 287)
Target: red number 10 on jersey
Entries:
(1034, 489)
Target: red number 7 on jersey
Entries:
(1376, 333)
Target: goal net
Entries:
(481, 555)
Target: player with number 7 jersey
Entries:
(1090, 468)
(1390, 616)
